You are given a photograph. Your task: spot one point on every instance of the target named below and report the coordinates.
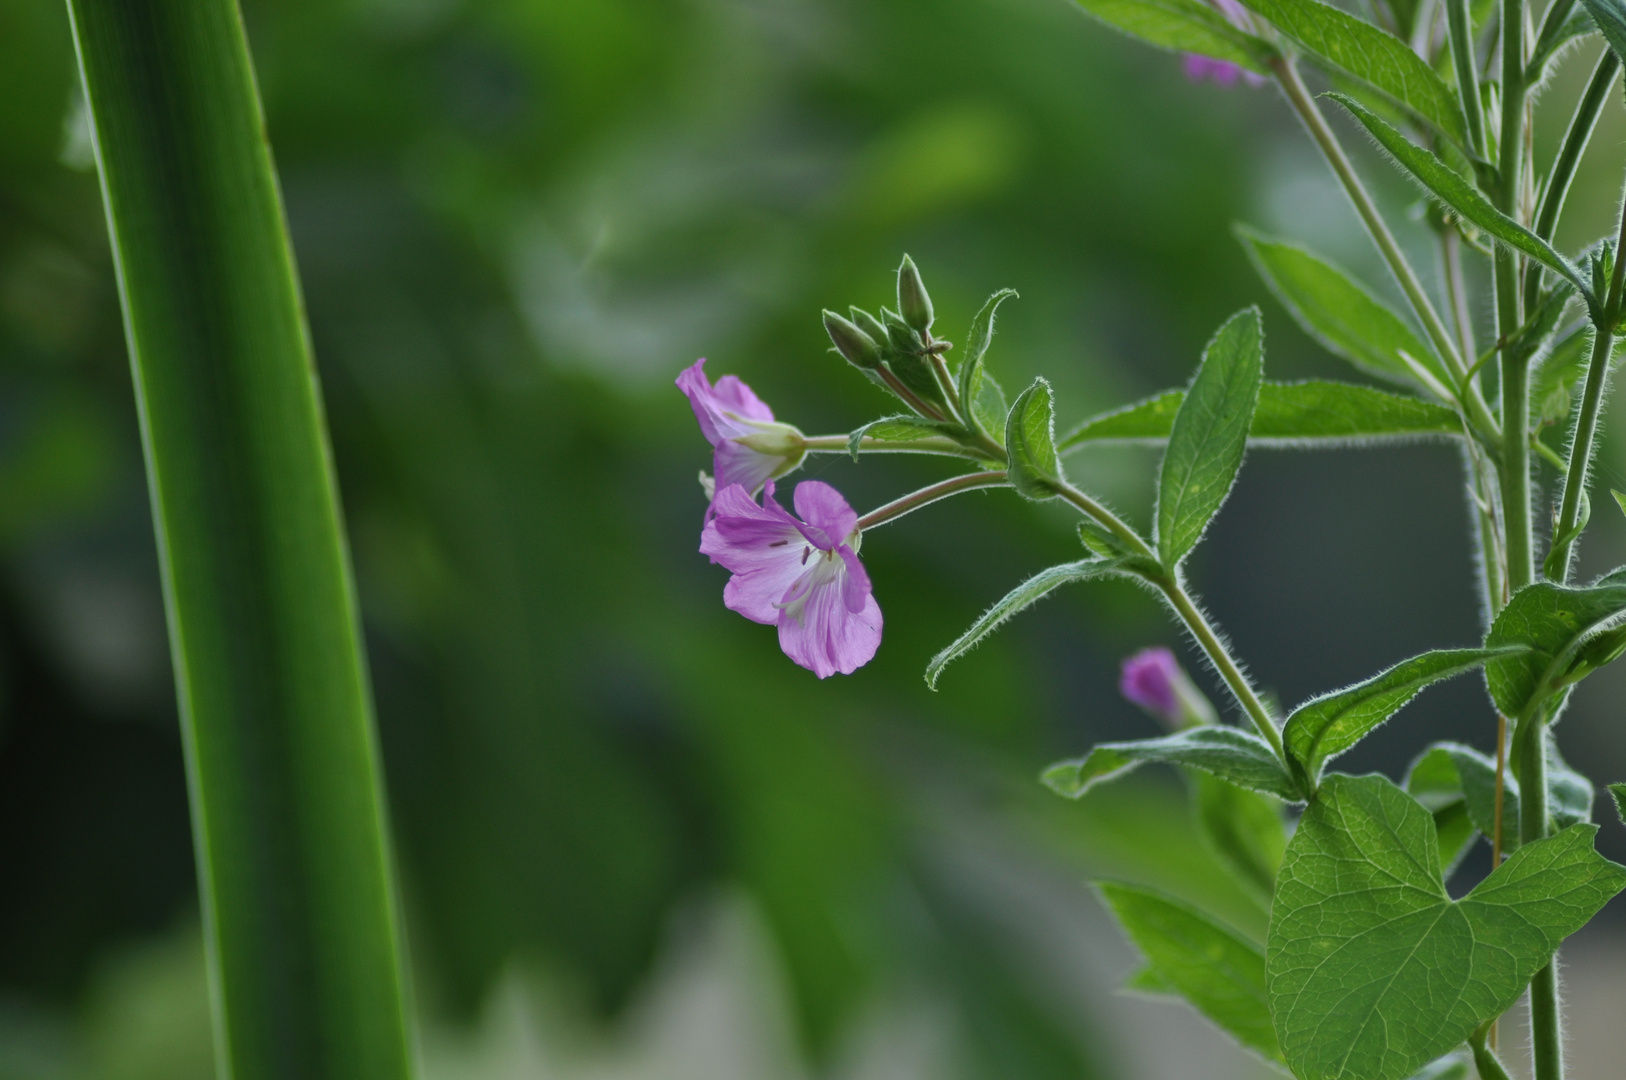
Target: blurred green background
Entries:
(636, 841)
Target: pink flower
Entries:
(1223, 72)
(749, 447)
(803, 576)
(1153, 679)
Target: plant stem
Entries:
(1462, 56)
(1168, 583)
(1582, 125)
(1586, 420)
(1515, 463)
(1485, 1060)
(895, 509)
(1299, 97)
(1546, 1037)
(931, 444)
(1457, 291)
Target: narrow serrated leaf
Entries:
(1017, 600)
(1221, 973)
(1360, 894)
(1377, 58)
(1186, 26)
(1459, 195)
(1030, 440)
(977, 340)
(1321, 729)
(1554, 621)
(1338, 311)
(1610, 17)
(1232, 754)
(1209, 435)
(1302, 415)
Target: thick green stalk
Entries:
(295, 869)
(1298, 95)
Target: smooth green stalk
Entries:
(1582, 125)
(295, 870)
(931, 444)
(1169, 584)
(895, 509)
(1462, 56)
(1438, 335)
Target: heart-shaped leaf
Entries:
(1232, 754)
(1373, 970)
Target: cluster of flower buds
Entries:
(897, 350)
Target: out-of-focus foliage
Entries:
(516, 221)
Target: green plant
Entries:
(1370, 969)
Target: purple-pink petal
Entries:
(713, 404)
(735, 463)
(1149, 680)
(794, 574)
(829, 638)
(822, 507)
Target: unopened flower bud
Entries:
(900, 335)
(859, 348)
(1153, 679)
(869, 324)
(913, 300)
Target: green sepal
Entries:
(1030, 440)
(1324, 727)
(1234, 755)
(1209, 436)
(905, 355)
(1220, 972)
(1302, 415)
(1360, 890)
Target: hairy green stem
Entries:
(1581, 444)
(1462, 56)
(1457, 292)
(1168, 583)
(895, 509)
(1546, 1037)
(1438, 335)
(1582, 125)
